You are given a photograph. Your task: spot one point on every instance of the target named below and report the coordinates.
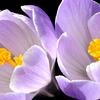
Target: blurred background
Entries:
(50, 7)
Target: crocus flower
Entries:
(25, 68)
(78, 50)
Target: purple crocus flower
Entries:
(25, 61)
(78, 49)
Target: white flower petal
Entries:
(93, 71)
(94, 25)
(72, 58)
(16, 96)
(72, 17)
(34, 74)
(5, 75)
(15, 34)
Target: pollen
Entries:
(94, 49)
(6, 57)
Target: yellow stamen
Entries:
(5, 57)
(94, 49)
(18, 60)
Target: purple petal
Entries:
(5, 75)
(96, 7)
(44, 28)
(28, 10)
(94, 25)
(72, 17)
(34, 74)
(72, 58)
(58, 30)
(15, 96)
(28, 22)
(93, 71)
(79, 89)
(15, 34)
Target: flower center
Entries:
(94, 49)
(5, 57)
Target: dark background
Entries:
(50, 7)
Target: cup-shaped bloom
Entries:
(25, 67)
(78, 49)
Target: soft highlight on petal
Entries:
(72, 58)
(34, 74)
(15, 34)
(94, 25)
(93, 71)
(72, 17)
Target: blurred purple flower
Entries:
(33, 40)
(80, 22)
